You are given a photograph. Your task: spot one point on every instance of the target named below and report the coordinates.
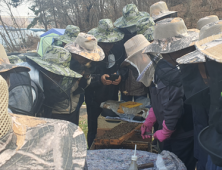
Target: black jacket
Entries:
(96, 92)
(168, 101)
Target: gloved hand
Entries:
(163, 134)
(148, 124)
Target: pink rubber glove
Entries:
(163, 134)
(148, 124)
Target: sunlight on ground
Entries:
(83, 124)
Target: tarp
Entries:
(37, 143)
(120, 159)
(45, 42)
(55, 31)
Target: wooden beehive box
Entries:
(104, 125)
(117, 141)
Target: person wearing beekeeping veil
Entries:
(102, 88)
(37, 143)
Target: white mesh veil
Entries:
(142, 67)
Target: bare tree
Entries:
(87, 13)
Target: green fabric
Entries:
(70, 34)
(105, 32)
(131, 16)
(45, 42)
(146, 27)
(14, 59)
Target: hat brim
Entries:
(173, 44)
(5, 65)
(123, 23)
(211, 47)
(11, 68)
(56, 69)
(191, 58)
(209, 139)
(95, 55)
(107, 37)
(156, 17)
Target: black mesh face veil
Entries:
(215, 72)
(57, 90)
(166, 72)
(195, 80)
(21, 94)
